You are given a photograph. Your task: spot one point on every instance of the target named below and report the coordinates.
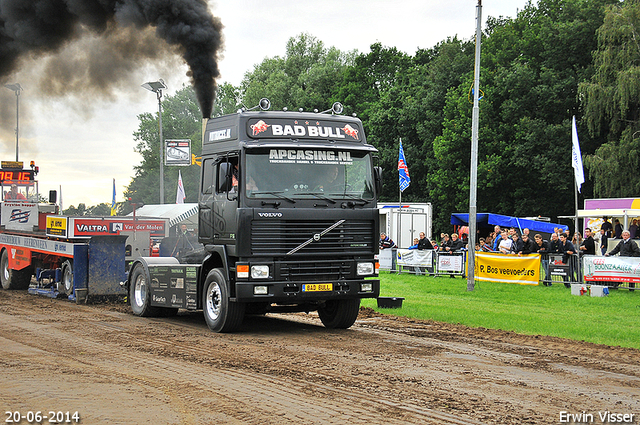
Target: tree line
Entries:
(554, 60)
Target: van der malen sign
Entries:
(303, 129)
(611, 269)
(496, 267)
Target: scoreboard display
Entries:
(13, 174)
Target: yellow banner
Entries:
(498, 267)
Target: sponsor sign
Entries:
(85, 227)
(57, 226)
(415, 257)
(497, 267)
(611, 269)
(19, 215)
(309, 156)
(303, 129)
(450, 263)
(177, 152)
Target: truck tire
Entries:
(67, 278)
(339, 314)
(221, 314)
(13, 279)
(139, 294)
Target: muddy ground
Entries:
(115, 368)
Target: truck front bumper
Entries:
(300, 292)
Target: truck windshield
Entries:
(309, 173)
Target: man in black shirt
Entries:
(588, 245)
(424, 243)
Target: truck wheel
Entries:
(13, 279)
(139, 294)
(67, 277)
(221, 314)
(339, 314)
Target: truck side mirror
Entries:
(224, 176)
(377, 173)
(53, 196)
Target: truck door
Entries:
(205, 202)
(219, 202)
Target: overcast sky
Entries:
(81, 149)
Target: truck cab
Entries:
(287, 217)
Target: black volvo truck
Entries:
(288, 222)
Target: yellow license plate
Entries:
(317, 287)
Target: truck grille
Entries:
(277, 238)
(314, 271)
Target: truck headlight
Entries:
(366, 287)
(260, 290)
(365, 269)
(259, 272)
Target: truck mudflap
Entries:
(293, 292)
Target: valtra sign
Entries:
(81, 227)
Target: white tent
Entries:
(176, 213)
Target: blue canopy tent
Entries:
(489, 220)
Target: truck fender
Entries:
(145, 262)
(216, 258)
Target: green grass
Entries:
(533, 310)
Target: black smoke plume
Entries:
(34, 28)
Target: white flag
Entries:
(180, 196)
(576, 160)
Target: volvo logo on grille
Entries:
(316, 237)
(270, 214)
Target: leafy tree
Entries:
(307, 77)
(181, 119)
(611, 101)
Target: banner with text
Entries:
(415, 257)
(611, 269)
(497, 267)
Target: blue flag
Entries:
(403, 170)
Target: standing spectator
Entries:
(488, 243)
(607, 226)
(627, 248)
(577, 239)
(542, 248)
(528, 245)
(445, 244)
(567, 250)
(505, 243)
(633, 229)
(554, 244)
(456, 244)
(525, 231)
(516, 246)
(386, 242)
(496, 238)
(604, 241)
(618, 229)
(415, 244)
(424, 243)
(588, 245)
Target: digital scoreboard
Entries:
(13, 174)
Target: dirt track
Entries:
(116, 368)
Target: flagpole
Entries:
(473, 179)
(399, 213)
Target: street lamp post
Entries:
(156, 87)
(17, 89)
